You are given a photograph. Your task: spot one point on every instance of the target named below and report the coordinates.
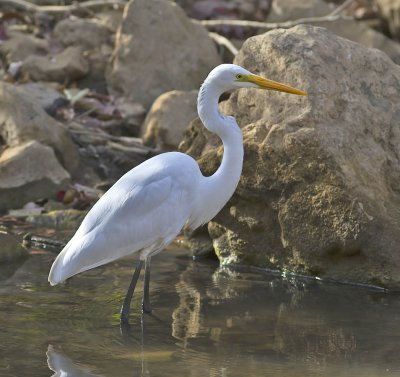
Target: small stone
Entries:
(11, 250)
(20, 46)
(67, 66)
(53, 205)
(168, 118)
(23, 119)
(43, 94)
(29, 171)
(82, 32)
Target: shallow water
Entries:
(207, 321)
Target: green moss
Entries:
(10, 249)
(68, 219)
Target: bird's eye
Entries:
(239, 76)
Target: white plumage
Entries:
(148, 207)
(144, 211)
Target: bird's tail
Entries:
(58, 272)
(77, 256)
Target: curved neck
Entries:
(218, 188)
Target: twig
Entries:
(142, 150)
(121, 143)
(225, 42)
(133, 142)
(87, 112)
(341, 8)
(30, 240)
(330, 17)
(273, 25)
(29, 7)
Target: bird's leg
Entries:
(128, 298)
(146, 308)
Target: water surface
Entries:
(207, 321)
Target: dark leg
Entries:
(128, 298)
(146, 308)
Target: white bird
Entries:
(149, 206)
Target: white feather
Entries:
(148, 207)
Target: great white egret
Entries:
(149, 206)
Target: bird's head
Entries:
(231, 76)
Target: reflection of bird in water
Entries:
(148, 207)
(63, 366)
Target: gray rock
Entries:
(95, 79)
(44, 94)
(69, 65)
(199, 243)
(112, 18)
(21, 46)
(198, 141)
(82, 32)
(11, 250)
(285, 10)
(168, 119)
(133, 114)
(22, 119)
(390, 13)
(28, 172)
(159, 49)
(319, 193)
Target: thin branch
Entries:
(142, 150)
(225, 42)
(341, 8)
(29, 7)
(273, 25)
(134, 143)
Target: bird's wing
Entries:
(122, 201)
(124, 221)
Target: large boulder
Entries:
(168, 119)
(319, 193)
(28, 172)
(286, 10)
(23, 119)
(158, 49)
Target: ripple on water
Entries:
(207, 321)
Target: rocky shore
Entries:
(87, 95)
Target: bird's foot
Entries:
(146, 307)
(125, 329)
(124, 317)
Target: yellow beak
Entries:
(273, 85)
